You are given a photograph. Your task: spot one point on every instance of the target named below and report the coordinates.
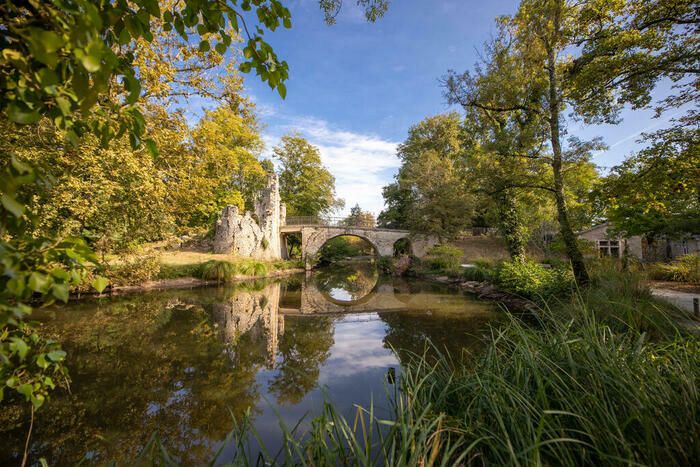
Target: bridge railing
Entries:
(331, 221)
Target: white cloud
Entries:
(361, 163)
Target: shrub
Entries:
(532, 280)
(385, 265)
(134, 268)
(220, 271)
(684, 269)
(444, 258)
(476, 273)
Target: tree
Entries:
(359, 218)
(228, 145)
(657, 191)
(398, 201)
(306, 186)
(429, 194)
(541, 37)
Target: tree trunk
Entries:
(570, 241)
(510, 226)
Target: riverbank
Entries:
(485, 290)
(194, 282)
(153, 269)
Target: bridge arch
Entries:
(313, 239)
(361, 237)
(313, 236)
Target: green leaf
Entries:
(38, 282)
(282, 89)
(64, 105)
(38, 400)
(61, 274)
(100, 283)
(49, 39)
(20, 346)
(220, 47)
(60, 291)
(90, 62)
(26, 389)
(204, 46)
(152, 147)
(22, 115)
(12, 205)
(41, 361)
(56, 355)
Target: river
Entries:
(182, 363)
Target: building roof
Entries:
(595, 227)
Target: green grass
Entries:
(177, 271)
(227, 271)
(222, 270)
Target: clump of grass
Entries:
(622, 301)
(176, 271)
(444, 259)
(253, 268)
(477, 273)
(532, 280)
(220, 271)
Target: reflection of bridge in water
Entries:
(260, 313)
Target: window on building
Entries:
(609, 248)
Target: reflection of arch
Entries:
(359, 301)
(357, 281)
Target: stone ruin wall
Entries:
(253, 235)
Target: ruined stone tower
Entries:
(253, 235)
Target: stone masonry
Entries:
(253, 235)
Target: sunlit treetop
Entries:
(61, 58)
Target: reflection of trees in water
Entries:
(304, 347)
(357, 279)
(139, 365)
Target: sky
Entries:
(355, 88)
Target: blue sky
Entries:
(356, 87)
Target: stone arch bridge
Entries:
(316, 232)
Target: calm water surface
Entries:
(183, 362)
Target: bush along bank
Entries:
(602, 377)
